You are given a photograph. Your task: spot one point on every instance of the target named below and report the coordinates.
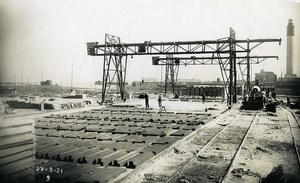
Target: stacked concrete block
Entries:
(16, 150)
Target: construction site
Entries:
(242, 126)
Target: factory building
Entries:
(265, 76)
(47, 82)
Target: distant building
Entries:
(288, 86)
(265, 76)
(7, 91)
(47, 82)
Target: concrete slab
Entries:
(107, 159)
(138, 160)
(181, 133)
(122, 160)
(165, 140)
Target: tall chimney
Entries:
(289, 51)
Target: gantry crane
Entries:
(225, 51)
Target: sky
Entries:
(41, 40)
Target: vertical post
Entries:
(161, 73)
(230, 69)
(232, 73)
(248, 66)
(106, 63)
(235, 75)
(167, 75)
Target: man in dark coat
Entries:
(147, 101)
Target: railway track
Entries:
(294, 124)
(207, 146)
(218, 154)
(272, 142)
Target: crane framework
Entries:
(172, 67)
(224, 52)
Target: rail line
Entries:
(294, 125)
(209, 143)
(230, 168)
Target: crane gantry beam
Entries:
(180, 47)
(226, 51)
(208, 60)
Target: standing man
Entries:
(203, 97)
(147, 101)
(159, 101)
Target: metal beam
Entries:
(184, 47)
(242, 60)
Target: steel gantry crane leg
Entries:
(171, 74)
(114, 65)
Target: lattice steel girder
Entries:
(210, 60)
(114, 65)
(181, 47)
(171, 74)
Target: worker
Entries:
(159, 101)
(269, 93)
(203, 97)
(147, 101)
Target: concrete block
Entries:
(121, 161)
(155, 149)
(193, 128)
(165, 140)
(72, 134)
(15, 150)
(138, 160)
(104, 136)
(103, 144)
(64, 154)
(181, 133)
(154, 132)
(107, 159)
(124, 131)
(16, 157)
(136, 147)
(89, 135)
(45, 152)
(74, 156)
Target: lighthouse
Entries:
(289, 50)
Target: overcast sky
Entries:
(50, 35)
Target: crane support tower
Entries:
(225, 52)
